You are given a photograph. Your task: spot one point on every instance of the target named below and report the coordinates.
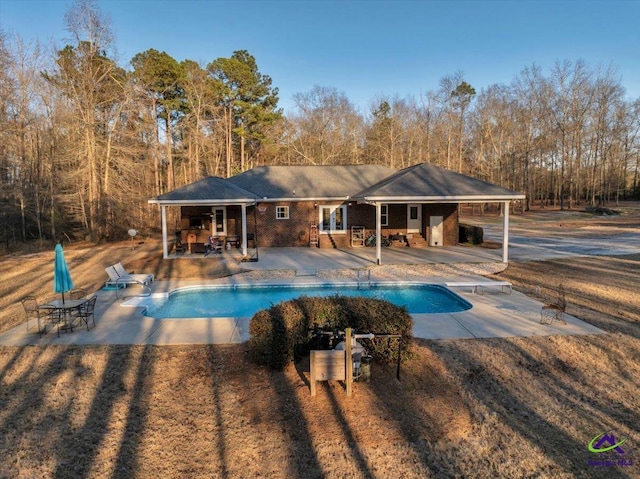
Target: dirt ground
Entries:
(522, 407)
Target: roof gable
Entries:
(427, 181)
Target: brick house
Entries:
(328, 206)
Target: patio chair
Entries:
(213, 245)
(85, 312)
(554, 310)
(30, 306)
(180, 247)
(77, 293)
(144, 278)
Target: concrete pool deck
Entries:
(494, 314)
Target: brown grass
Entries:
(523, 407)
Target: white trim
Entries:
(211, 202)
(384, 217)
(439, 199)
(332, 219)
(285, 210)
(214, 229)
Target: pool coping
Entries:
(493, 314)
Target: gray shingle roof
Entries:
(312, 182)
(212, 188)
(430, 182)
(422, 182)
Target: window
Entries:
(384, 215)
(282, 212)
(333, 219)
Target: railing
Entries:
(358, 277)
(125, 281)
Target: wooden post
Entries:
(349, 362)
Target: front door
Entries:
(414, 218)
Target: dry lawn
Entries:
(469, 408)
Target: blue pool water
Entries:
(220, 302)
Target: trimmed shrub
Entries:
(470, 234)
(281, 332)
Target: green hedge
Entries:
(470, 234)
(283, 330)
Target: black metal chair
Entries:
(554, 310)
(30, 306)
(86, 311)
(78, 293)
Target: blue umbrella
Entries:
(62, 281)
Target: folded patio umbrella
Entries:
(62, 281)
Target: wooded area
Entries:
(85, 142)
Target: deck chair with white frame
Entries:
(144, 278)
(123, 281)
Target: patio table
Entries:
(64, 309)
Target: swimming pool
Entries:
(245, 301)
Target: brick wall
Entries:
(294, 231)
(449, 212)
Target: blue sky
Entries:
(364, 48)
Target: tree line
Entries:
(85, 142)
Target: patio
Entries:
(494, 314)
(309, 260)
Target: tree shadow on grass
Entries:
(565, 454)
(79, 448)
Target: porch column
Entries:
(378, 233)
(165, 248)
(505, 233)
(244, 229)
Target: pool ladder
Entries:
(368, 275)
(146, 290)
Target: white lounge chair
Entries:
(144, 278)
(116, 280)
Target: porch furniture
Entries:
(31, 310)
(480, 286)
(63, 312)
(233, 241)
(357, 236)
(214, 245)
(180, 247)
(191, 239)
(399, 238)
(555, 309)
(198, 248)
